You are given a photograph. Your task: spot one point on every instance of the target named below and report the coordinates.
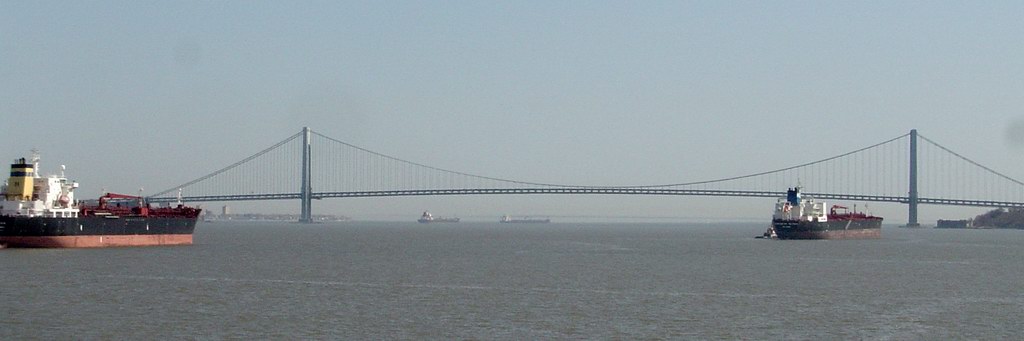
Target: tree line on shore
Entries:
(1004, 218)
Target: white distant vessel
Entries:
(527, 220)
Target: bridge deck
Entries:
(585, 190)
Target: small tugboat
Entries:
(769, 234)
(430, 218)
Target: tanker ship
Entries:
(804, 218)
(430, 218)
(42, 212)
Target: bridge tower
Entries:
(307, 189)
(912, 196)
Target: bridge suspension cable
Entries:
(780, 170)
(273, 178)
(946, 174)
(374, 168)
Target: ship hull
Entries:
(436, 220)
(833, 229)
(95, 231)
(96, 241)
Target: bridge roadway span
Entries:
(582, 190)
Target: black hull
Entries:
(833, 229)
(94, 226)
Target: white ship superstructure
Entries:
(795, 207)
(27, 194)
(426, 217)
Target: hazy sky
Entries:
(152, 94)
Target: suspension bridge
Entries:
(910, 169)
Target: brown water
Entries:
(500, 281)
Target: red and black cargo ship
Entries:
(803, 218)
(42, 212)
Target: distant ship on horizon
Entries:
(430, 218)
(507, 219)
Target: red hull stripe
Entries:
(98, 241)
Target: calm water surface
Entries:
(497, 281)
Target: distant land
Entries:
(270, 217)
(1001, 218)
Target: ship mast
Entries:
(35, 161)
